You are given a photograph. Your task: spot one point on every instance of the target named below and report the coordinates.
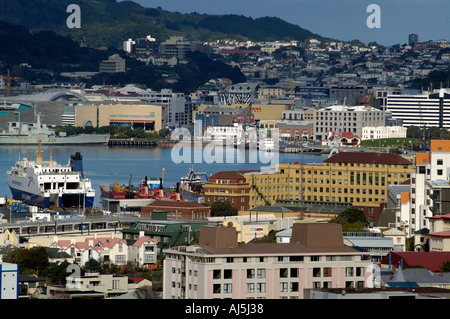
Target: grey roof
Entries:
(29, 278)
(274, 209)
(284, 233)
(48, 96)
(371, 242)
(420, 275)
(400, 188)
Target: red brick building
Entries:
(228, 186)
(183, 210)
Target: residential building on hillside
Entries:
(105, 250)
(144, 251)
(114, 64)
(166, 232)
(439, 235)
(221, 267)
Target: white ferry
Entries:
(48, 184)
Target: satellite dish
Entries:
(343, 292)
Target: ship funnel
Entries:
(76, 163)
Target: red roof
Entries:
(231, 174)
(443, 234)
(368, 158)
(446, 216)
(430, 260)
(174, 203)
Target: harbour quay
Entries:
(131, 142)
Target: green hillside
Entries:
(108, 23)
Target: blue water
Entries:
(102, 164)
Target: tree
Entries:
(220, 208)
(57, 272)
(29, 259)
(351, 219)
(445, 266)
(93, 265)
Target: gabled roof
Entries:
(142, 240)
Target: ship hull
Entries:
(82, 139)
(46, 200)
(48, 184)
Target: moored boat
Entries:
(49, 184)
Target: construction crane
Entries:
(292, 75)
(8, 83)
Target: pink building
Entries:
(220, 267)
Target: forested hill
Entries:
(108, 22)
(54, 53)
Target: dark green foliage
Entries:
(351, 219)
(260, 29)
(29, 259)
(57, 273)
(220, 208)
(109, 22)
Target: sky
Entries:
(338, 19)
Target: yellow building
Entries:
(355, 179)
(249, 230)
(132, 114)
(271, 92)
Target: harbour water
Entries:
(103, 164)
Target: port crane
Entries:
(8, 82)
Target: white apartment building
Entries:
(9, 279)
(342, 118)
(431, 168)
(423, 110)
(370, 133)
(220, 267)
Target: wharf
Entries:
(130, 142)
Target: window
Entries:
(261, 273)
(216, 288)
(283, 273)
(227, 274)
(260, 287)
(227, 288)
(250, 273)
(250, 288)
